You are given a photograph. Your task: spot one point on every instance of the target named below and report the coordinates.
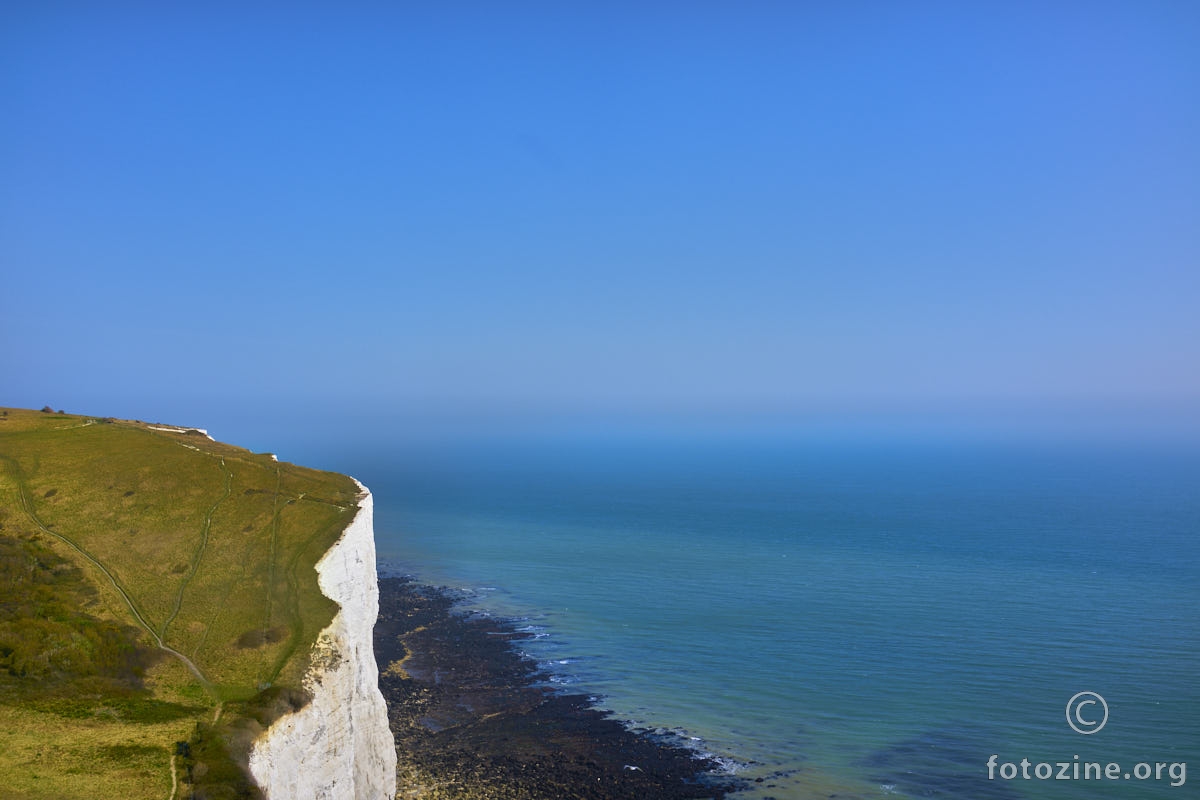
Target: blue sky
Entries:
(405, 213)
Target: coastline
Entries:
(339, 744)
(473, 718)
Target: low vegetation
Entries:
(158, 603)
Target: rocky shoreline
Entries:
(474, 719)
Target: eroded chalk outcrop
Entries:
(339, 746)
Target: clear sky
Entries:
(404, 212)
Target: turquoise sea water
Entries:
(847, 619)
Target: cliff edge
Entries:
(339, 746)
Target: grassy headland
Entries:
(157, 603)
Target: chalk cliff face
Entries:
(339, 745)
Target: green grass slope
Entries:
(157, 604)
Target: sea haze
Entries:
(836, 619)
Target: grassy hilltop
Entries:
(158, 603)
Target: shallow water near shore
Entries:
(865, 621)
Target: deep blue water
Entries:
(867, 619)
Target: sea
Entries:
(959, 619)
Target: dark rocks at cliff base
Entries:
(474, 719)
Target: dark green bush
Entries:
(46, 637)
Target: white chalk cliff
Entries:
(339, 746)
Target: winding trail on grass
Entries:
(271, 567)
(199, 556)
(174, 778)
(27, 507)
(80, 425)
